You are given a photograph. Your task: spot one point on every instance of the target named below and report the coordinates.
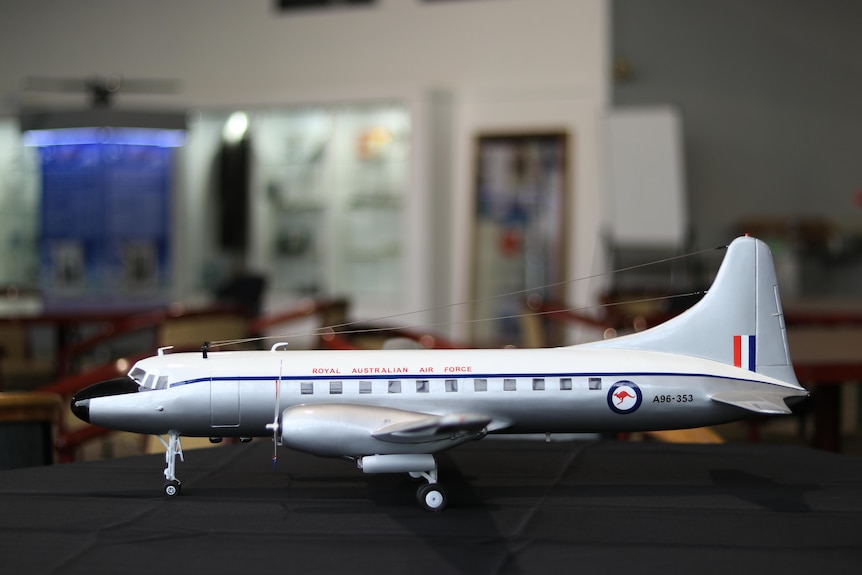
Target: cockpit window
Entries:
(138, 375)
(148, 381)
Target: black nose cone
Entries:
(81, 408)
(81, 400)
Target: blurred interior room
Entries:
(449, 173)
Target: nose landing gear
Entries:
(173, 487)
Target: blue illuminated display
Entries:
(105, 217)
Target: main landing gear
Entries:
(432, 496)
(173, 487)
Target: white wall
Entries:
(229, 52)
(507, 65)
(771, 118)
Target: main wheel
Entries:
(172, 488)
(432, 497)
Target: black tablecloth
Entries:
(515, 507)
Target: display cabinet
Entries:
(19, 205)
(330, 185)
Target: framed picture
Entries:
(520, 229)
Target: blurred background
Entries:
(211, 170)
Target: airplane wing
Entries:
(429, 428)
(344, 429)
(761, 401)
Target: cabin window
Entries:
(421, 386)
(480, 385)
(335, 387)
(566, 383)
(395, 386)
(451, 385)
(510, 384)
(364, 387)
(149, 381)
(538, 384)
(162, 383)
(306, 387)
(595, 383)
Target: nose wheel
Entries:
(173, 488)
(173, 447)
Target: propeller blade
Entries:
(275, 419)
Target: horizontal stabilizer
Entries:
(768, 403)
(434, 428)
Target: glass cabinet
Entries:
(19, 206)
(329, 191)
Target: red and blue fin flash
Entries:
(744, 351)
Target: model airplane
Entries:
(390, 411)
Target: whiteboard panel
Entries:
(647, 202)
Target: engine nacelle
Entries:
(397, 463)
(339, 430)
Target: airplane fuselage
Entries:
(726, 358)
(233, 394)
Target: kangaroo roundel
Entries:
(624, 397)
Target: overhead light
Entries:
(103, 126)
(100, 118)
(235, 128)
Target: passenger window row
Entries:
(449, 385)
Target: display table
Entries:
(27, 427)
(515, 507)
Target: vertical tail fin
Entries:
(739, 321)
